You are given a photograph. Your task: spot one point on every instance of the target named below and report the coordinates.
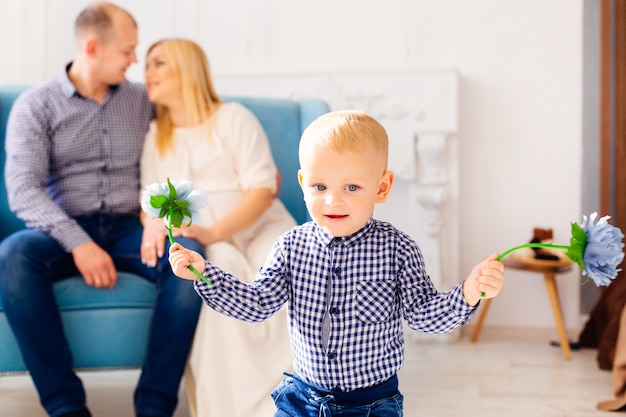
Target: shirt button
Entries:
(334, 311)
(332, 355)
(336, 271)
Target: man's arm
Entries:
(27, 171)
(28, 147)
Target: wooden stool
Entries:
(549, 271)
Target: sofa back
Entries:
(9, 223)
(284, 121)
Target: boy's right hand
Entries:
(180, 259)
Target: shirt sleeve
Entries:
(425, 308)
(28, 148)
(253, 156)
(254, 301)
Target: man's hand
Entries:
(95, 265)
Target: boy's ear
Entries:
(384, 187)
(300, 177)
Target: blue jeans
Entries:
(31, 262)
(296, 398)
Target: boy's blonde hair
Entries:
(346, 130)
(191, 65)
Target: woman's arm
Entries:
(245, 213)
(257, 175)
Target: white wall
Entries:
(520, 67)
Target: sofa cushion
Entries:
(130, 292)
(124, 311)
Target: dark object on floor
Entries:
(81, 413)
(572, 345)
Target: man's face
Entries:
(113, 56)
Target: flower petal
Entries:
(152, 190)
(194, 199)
(604, 250)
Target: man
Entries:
(72, 174)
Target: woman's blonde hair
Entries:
(199, 97)
(346, 130)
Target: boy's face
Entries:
(341, 189)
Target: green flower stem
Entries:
(191, 267)
(528, 245)
(531, 245)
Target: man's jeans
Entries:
(31, 261)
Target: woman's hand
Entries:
(204, 235)
(247, 211)
(153, 241)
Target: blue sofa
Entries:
(109, 328)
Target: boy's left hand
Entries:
(487, 278)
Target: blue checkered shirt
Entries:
(364, 284)
(70, 156)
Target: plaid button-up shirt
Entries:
(70, 156)
(363, 284)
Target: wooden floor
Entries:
(510, 374)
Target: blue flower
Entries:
(177, 201)
(150, 191)
(604, 250)
(596, 247)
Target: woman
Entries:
(222, 148)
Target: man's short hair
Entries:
(97, 19)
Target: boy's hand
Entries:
(180, 259)
(487, 277)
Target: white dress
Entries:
(233, 365)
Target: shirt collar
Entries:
(68, 87)
(327, 239)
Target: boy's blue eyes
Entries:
(319, 187)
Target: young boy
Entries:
(347, 278)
